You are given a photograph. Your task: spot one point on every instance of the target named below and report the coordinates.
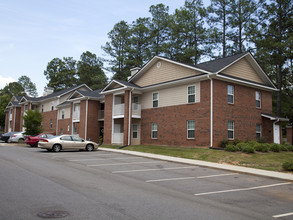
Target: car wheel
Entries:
(56, 147)
(36, 144)
(31, 145)
(20, 140)
(89, 147)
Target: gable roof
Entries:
(79, 94)
(122, 85)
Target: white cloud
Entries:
(5, 80)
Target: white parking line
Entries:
(78, 155)
(116, 164)
(242, 189)
(190, 177)
(144, 170)
(283, 215)
(117, 158)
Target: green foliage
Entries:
(288, 166)
(89, 70)
(283, 147)
(275, 148)
(231, 148)
(248, 148)
(224, 143)
(290, 147)
(28, 85)
(262, 147)
(32, 122)
(4, 100)
(241, 145)
(13, 88)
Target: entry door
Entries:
(277, 134)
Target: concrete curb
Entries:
(271, 174)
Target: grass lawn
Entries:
(267, 161)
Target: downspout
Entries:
(86, 112)
(211, 116)
(57, 121)
(130, 109)
(14, 118)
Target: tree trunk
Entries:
(224, 32)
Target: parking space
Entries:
(259, 194)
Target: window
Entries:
(135, 102)
(74, 138)
(155, 99)
(61, 131)
(66, 138)
(230, 129)
(258, 131)
(62, 114)
(154, 130)
(68, 128)
(191, 94)
(25, 108)
(230, 94)
(42, 108)
(52, 105)
(134, 130)
(258, 99)
(51, 123)
(190, 129)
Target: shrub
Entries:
(288, 166)
(283, 147)
(261, 147)
(275, 147)
(236, 141)
(247, 148)
(290, 147)
(231, 148)
(241, 145)
(224, 143)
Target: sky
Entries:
(33, 32)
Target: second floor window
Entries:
(52, 105)
(155, 99)
(230, 94)
(191, 94)
(258, 99)
(42, 108)
(62, 114)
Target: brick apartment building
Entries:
(165, 103)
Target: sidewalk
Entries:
(272, 174)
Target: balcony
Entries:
(10, 117)
(75, 116)
(101, 115)
(136, 110)
(118, 110)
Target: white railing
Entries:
(136, 109)
(10, 117)
(118, 109)
(101, 115)
(76, 115)
(118, 138)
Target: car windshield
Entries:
(53, 137)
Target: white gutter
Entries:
(14, 118)
(57, 121)
(211, 111)
(86, 113)
(130, 109)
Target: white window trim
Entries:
(154, 130)
(190, 129)
(231, 130)
(52, 105)
(62, 114)
(230, 94)
(135, 131)
(259, 132)
(191, 94)
(155, 100)
(258, 99)
(42, 108)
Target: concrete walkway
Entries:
(272, 174)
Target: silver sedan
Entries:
(62, 142)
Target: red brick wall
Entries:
(81, 125)
(289, 135)
(47, 116)
(63, 124)
(93, 125)
(126, 116)
(172, 122)
(243, 112)
(108, 119)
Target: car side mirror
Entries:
(82, 141)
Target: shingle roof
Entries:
(218, 64)
(92, 94)
(125, 83)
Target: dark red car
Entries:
(34, 140)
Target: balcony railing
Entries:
(118, 109)
(76, 116)
(10, 117)
(117, 138)
(136, 109)
(101, 115)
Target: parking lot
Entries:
(267, 196)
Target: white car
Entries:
(62, 142)
(17, 137)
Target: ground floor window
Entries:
(51, 123)
(230, 129)
(134, 131)
(258, 131)
(61, 131)
(190, 129)
(154, 130)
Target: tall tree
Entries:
(118, 48)
(61, 73)
(89, 70)
(159, 28)
(32, 122)
(28, 85)
(274, 45)
(218, 19)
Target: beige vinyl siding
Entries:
(170, 96)
(242, 69)
(66, 112)
(64, 98)
(166, 72)
(47, 105)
